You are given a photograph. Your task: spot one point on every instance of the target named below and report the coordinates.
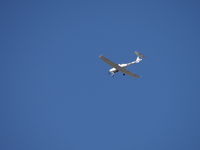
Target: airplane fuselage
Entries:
(114, 70)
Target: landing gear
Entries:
(111, 74)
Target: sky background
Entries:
(56, 93)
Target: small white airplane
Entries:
(122, 67)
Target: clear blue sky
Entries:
(56, 93)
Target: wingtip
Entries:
(138, 77)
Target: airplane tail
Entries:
(140, 55)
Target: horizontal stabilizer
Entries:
(139, 54)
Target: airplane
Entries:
(122, 67)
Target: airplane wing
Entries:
(106, 60)
(118, 67)
(130, 73)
